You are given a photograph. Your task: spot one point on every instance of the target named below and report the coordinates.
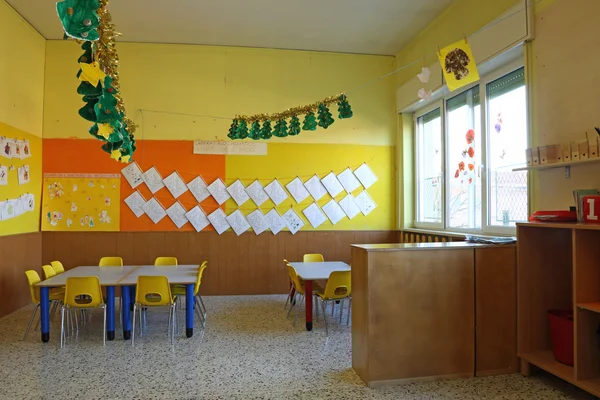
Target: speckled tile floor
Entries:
(247, 351)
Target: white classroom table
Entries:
(124, 277)
(314, 271)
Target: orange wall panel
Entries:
(85, 156)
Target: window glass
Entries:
(429, 167)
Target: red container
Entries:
(561, 334)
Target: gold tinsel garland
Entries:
(290, 112)
(107, 57)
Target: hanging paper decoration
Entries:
(294, 126)
(325, 119)
(310, 122)
(344, 109)
(241, 131)
(466, 168)
(458, 64)
(280, 129)
(254, 131)
(232, 130)
(424, 75)
(265, 132)
(79, 18)
(89, 20)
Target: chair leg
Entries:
(174, 324)
(325, 318)
(204, 311)
(31, 321)
(289, 296)
(341, 310)
(76, 320)
(133, 325)
(349, 309)
(104, 331)
(62, 326)
(292, 304)
(299, 307)
(316, 303)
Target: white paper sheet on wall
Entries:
(276, 223)
(218, 219)
(3, 175)
(276, 192)
(135, 201)
(293, 221)
(177, 214)
(26, 149)
(23, 174)
(153, 180)
(197, 218)
(365, 203)
(175, 184)
(13, 148)
(154, 210)
(133, 175)
(199, 189)
(28, 202)
(218, 190)
(257, 193)
(238, 222)
(334, 212)
(348, 180)
(349, 206)
(257, 221)
(237, 190)
(315, 188)
(331, 183)
(365, 175)
(314, 215)
(297, 190)
(4, 147)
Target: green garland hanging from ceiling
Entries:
(260, 124)
(89, 21)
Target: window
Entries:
(466, 148)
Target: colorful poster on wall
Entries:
(81, 202)
(458, 64)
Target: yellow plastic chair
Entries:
(111, 262)
(313, 258)
(82, 293)
(154, 291)
(58, 267)
(179, 291)
(165, 261)
(48, 271)
(298, 287)
(338, 288)
(56, 297)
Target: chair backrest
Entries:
(48, 271)
(153, 291)
(83, 292)
(199, 278)
(313, 258)
(111, 262)
(58, 267)
(294, 277)
(165, 261)
(33, 278)
(338, 285)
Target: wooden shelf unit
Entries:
(558, 165)
(558, 267)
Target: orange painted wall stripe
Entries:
(85, 156)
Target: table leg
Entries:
(110, 312)
(45, 313)
(189, 310)
(308, 298)
(125, 310)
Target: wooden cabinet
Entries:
(559, 268)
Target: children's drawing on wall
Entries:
(23, 174)
(458, 64)
(92, 203)
(3, 175)
(12, 208)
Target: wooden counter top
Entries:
(427, 246)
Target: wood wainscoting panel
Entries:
(245, 264)
(19, 254)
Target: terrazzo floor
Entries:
(249, 350)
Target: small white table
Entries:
(313, 271)
(124, 277)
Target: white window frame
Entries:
(486, 227)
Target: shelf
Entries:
(561, 225)
(590, 385)
(545, 360)
(558, 165)
(595, 307)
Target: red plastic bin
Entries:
(561, 334)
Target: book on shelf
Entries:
(578, 197)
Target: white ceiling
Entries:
(347, 26)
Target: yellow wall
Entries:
(22, 57)
(224, 81)
(460, 19)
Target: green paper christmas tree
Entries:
(325, 118)
(106, 108)
(254, 131)
(280, 129)
(241, 131)
(232, 129)
(265, 132)
(294, 126)
(94, 132)
(79, 18)
(344, 109)
(87, 111)
(310, 122)
(86, 89)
